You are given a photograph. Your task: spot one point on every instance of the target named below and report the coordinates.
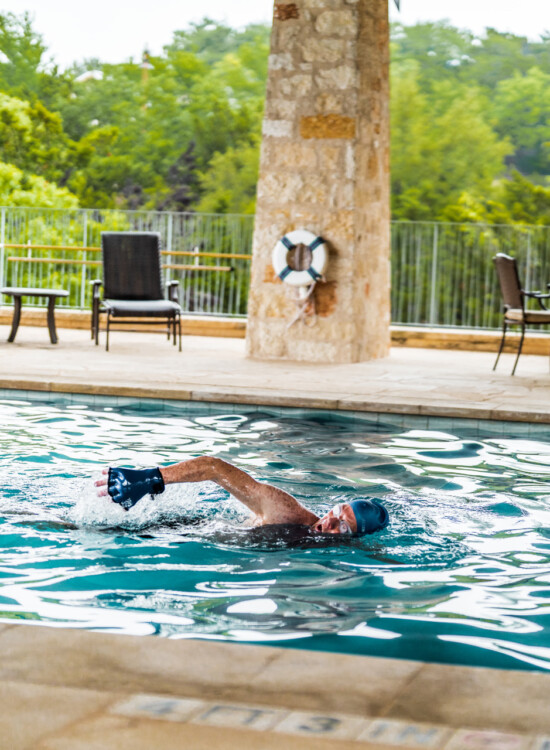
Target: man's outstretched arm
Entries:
(269, 503)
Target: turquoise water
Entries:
(461, 575)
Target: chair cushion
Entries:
(530, 316)
(158, 308)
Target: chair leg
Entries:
(179, 326)
(520, 346)
(174, 330)
(95, 318)
(107, 331)
(504, 328)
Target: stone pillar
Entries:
(324, 167)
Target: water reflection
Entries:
(460, 575)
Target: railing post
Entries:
(29, 255)
(528, 261)
(84, 266)
(433, 290)
(169, 230)
(2, 246)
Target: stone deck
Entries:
(73, 690)
(410, 381)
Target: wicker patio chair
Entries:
(132, 282)
(513, 297)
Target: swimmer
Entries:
(269, 504)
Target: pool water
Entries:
(461, 574)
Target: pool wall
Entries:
(472, 426)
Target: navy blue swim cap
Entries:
(370, 515)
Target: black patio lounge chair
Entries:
(513, 296)
(132, 282)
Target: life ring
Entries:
(319, 258)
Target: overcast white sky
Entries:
(115, 30)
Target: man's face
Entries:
(340, 520)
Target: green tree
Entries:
(22, 51)
(521, 106)
(442, 145)
(32, 138)
(446, 53)
(500, 55)
(149, 136)
(210, 41)
(525, 202)
(440, 51)
(18, 188)
(229, 184)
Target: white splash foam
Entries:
(178, 502)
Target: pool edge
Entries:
(427, 705)
(258, 397)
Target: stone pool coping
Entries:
(459, 384)
(291, 400)
(66, 689)
(425, 382)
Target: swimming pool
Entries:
(461, 575)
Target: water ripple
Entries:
(462, 574)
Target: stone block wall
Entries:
(325, 167)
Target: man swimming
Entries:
(269, 504)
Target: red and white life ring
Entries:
(319, 257)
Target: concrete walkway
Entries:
(410, 381)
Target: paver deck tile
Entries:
(131, 664)
(218, 369)
(410, 381)
(358, 686)
(118, 733)
(29, 712)
(504, 700)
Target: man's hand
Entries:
(127, 486)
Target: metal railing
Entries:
(442, 273)
(209, 254)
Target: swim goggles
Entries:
(343, 526)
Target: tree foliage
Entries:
(155, 131)
(442, 145)
(22, 52)
(181, 131)
(470, 125)
(18, 188)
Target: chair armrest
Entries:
(96, 283)
(172, 289)
(538, 296)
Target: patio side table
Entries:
(18, 292)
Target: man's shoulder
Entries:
(290, 514)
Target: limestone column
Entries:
(324, 167)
